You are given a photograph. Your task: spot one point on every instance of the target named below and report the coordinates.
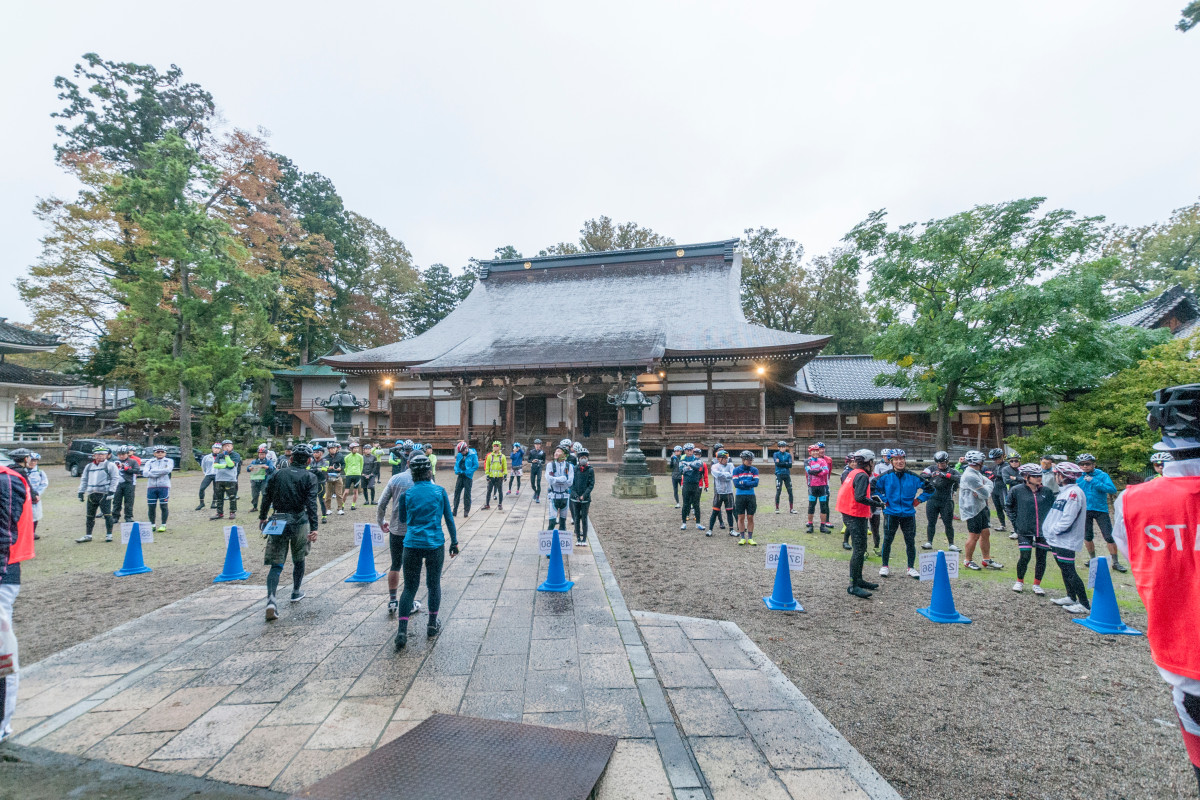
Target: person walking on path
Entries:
(816, 476)
(260, 469)
(1063, 530)
(992, 471)
(944, 482)
(581, 496)
(676, 471)
(745, 501)
(370, 474)
(354, 473)
(722, 476)
(227, 465)
(129, 468)
(97, 483)
(537, 462)
(902, 491)
(854, 502)
(466, 462)
(335, 487)
(690, 473)
(424, 508)
(974, 489)
(16, 547)
(1097, 486)
(1153, 526)
(157, 472)
(495, 469)
(292, 493)
(516, 462)
(1028, 505)
(783, 476)
(39, 482)
(396, 528)
(560, 477)
(209, 470)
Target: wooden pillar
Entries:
(510, 409)
(838, 414)
(464, 411)
(762, 409)
(897, 419)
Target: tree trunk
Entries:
(945, 403)
(186, 459)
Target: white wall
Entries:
(321, 388)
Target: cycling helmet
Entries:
(584, 453)
(722, 454)
(565, 444)
(812, 448)
(747, 454)
(782, 443)
(301, 449)
(1157, 458)
(1014, 457)
(995, 452)
(1175, 412)
(689, 446)
(577, 448)
(1030, 469)
(354, 445)
(974, 457)
(863, 456)
(100, 449)
(227, 441)
(537, 441)
(263, 447)
(160, 449)
(1068, 471)
(399, 443)
(416, 446)
(335, 445)
(408, 442)
(516, 445)
(885, 452)
(677, 449)
(20, 454)
(36, 456)
(898, 453)
(1085, 458)
(941, 455)
(318, 449)
(216, 446)
(821, 445)
(419, 463)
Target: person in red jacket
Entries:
(855, 502)
(16, 545)
(1156, 528)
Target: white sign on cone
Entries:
(1093, 567)
(241, 535)
(145, 530)
(928, 565)
(566, 542)
(377, 534)
(795, 557)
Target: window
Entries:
(687, 409)
(485, 412)
(734, 408)
(556, 412)
(650, 413)
(446, 412)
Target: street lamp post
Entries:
(633, 477)
(342, 404)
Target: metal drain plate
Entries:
(450, 757)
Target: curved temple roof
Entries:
(619, 308)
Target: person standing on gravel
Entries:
(1010, 476)
(335, 486)
(783, 477)
(157, 471)
(370, 474)
(396, 527)
(129, 467)
(39, 482)
(902, 492)
(1154, 525)
(974, 489)
(722, 475)
(745, 502)
(208, 468)
(227, 465)
(816, 475)
(1028, 505)
(1063, 530)
(292, 493)
(16, 546)
(97, 483)
(676, 471)
(691, 471)
(1048, 479)
(260, 469)
(944, 482)
(354, 474)
(466, 462)
(855, 501)
(992, 473)
(1097, 485)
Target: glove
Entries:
(877, 502)
(453, 550)
(108, 497)
(262, 523)
(81, 497)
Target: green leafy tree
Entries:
(507, 252)
(838, 308)
(1152, 258)
(774, 290)
(1000, 302)
(440, 293)
(1189, 17)
(1110, 421)
(602, 234)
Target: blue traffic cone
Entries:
(134, 564)
(781, 598)
(1105, 616)
(556, 576)
(365, 573)
(233, 570)
(941, 604)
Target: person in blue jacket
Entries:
(902, 492)
(466, 461)
(424, 507)
(783, 475)
(745, 503)
(516, 460)
(1097, 486)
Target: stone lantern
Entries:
(633, 477)
(342, 404)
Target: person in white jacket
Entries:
(39, 482)
(97, 483)
(158, 471)
(560, 475)
(974, 489)
(1063, 530)
(721, 473)
(210, 474)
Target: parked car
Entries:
(79, 452)
(5, 461)
(323, 442)
(173, 453)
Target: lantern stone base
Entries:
(634, 488)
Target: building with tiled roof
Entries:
(299, 411)
(16, 379)
(1176, 309)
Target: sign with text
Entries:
(275, 527)
(241, 535)
(566, 542)
(145, 529)
(795, 557)
(928, 565)
(1093, 567)
(377, 534)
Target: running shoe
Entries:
(699, 527)
(341, 512)
(858, 592)
(707, 533)
(393, 607)
(926, 545)
(991, 563)
(973, 565)
(808, 528)
(216, 516)
(732, 532)
(776, 509)
(1118, 567)
(741, 542)
(539, 502)
(1013, 535)
(489, 507)
(199, 507)
(416, 607)
(584, 542)
(846, 546)
(83, 539)
(108, 537)
(1000, 526)
(1062, 601)
(791, 511)
(433, 628)
(868, 585)
(1019, 586)
(161, 529)
(509, 491)
(401, 639)
(1038, 590)
(677, 505)
(324, 519)
(353, 507)
(1076, 608)
(683, 527)
(912, 573)
(826, 528)
(953, 548)
(752, 543)
(232, 516)
(272, 611)
(298, 596)
(884, 572)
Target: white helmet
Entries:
(974, 457)
(1157, 458)
(1034, 470)
(863, 455)
(577, 448)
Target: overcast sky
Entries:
(461, 127)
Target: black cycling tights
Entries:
(1076, 588)
(277, 570)
(1039, 566)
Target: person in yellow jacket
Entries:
(354, 474)
(428, 450)
(495, 468)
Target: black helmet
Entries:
(537, 441)
(20, 454)
(301, 449)
(419, 463)
(995, 452)
(746, 454)
(1175, 411)
(941, 455)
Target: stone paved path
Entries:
(205, 687)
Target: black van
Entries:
(79, 452)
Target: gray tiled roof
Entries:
(18, 375)
(1151, 314)
(585, 311)
(12, 334)
(847, 378)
